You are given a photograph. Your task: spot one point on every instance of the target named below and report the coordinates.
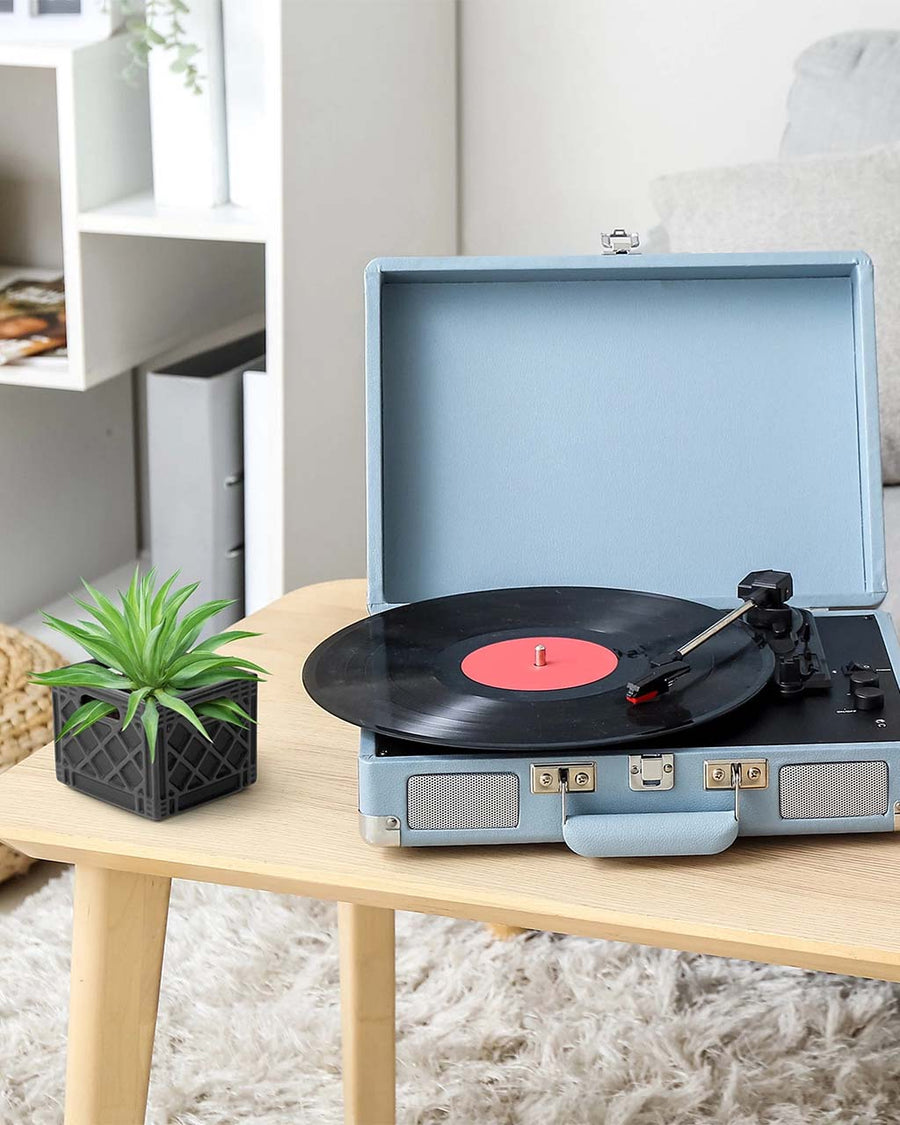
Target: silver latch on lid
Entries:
(619, 241)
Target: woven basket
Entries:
(26, 714)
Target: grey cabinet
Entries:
(196, 470)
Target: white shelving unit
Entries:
(140, 214)
(361, 143)
(77, 176)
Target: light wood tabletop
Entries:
(828, 903)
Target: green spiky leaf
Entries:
(87, 674)
(102, 648)
(159, 598)
(187, 677)
(191, 625)
(150, 723)
(178, 705)
(134, 701)
(211, 679)
(219, 639)
(226, 710)
(85, 716)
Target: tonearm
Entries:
(767, 591)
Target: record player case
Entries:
(661, 423)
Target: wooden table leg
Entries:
(117, 950)
(503, 932)
(367, 1013)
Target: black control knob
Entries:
(869, 698)
(863, 678)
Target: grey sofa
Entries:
(845, 99)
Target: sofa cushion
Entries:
(846, 95)
(892, 550)
(847, 202)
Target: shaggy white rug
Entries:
(541, 1030)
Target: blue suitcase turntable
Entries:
(575, 465)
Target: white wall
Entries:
(369, 169)
(571, 107)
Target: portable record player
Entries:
(574, 466)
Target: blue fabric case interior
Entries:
(659, 423)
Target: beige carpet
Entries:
(538, 1031)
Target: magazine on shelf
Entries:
(32, 318)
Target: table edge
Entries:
(650, 930)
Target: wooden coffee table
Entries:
(823, 903)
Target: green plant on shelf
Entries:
(156, 25)
(148, 648)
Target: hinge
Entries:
(619, 241)
(736, 773)
(579, 777)
(651, 771)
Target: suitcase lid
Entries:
(664, 423)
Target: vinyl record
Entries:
(467, 671)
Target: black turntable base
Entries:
(560, 668)
(770, 719)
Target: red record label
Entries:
(539, 663)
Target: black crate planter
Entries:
(114, 765)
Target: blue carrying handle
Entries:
(651, 834)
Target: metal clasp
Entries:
(619, 241)
(651, 771)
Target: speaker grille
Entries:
(448, 801)
(824, 789)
